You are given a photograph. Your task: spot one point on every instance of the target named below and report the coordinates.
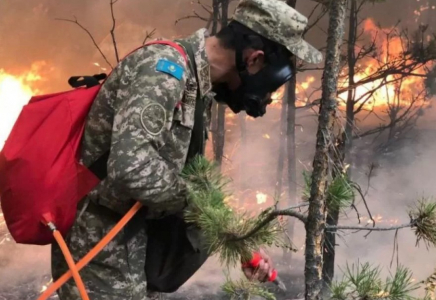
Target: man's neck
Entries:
(221, 60)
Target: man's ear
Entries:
(255, 58)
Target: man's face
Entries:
(254, 60)
(250, 90)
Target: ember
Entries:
(261, 197)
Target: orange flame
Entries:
(15, 92)
(392, 49)
(261, 197)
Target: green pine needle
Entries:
(307, 176)
(202, 174)
(340, 193)
(424, 218)
(220, 225)
(339, 289)
(400, 285)
(244, 290)
(363, 282)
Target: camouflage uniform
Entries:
(138, 116)
(145, 117)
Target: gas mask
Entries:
(253, 95)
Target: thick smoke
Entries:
(29, 33)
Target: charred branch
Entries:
(315, 224)
(114, 41)
(148, 35)
(90, 36)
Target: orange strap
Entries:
(67, 254)
(94, 251)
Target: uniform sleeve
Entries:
(142, 129)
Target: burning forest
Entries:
(335, 181)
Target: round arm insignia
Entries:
(153, 118)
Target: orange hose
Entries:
(70, 261)
(91, 254)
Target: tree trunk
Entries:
(221, 113)
(315, 224)
(220, 134)
(214, 115)
(215, 11)
(292, 157)
(288, 139)
(352, 36)
(243, 160)
(343, 150)
(282, 146)
(288, 100)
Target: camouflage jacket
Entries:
(145, 118)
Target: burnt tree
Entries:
(220, 130)
(315, 224)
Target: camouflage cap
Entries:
(277, 21)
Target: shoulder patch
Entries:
(170, 67)
(153, 118)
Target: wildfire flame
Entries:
(391, 49)
(261, 197)
(100, 67)
(15, 92)
(379, 219)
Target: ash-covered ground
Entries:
(24, 271)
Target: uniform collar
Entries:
(198, 42)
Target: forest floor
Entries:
(26, 282)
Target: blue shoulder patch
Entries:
(170, 67)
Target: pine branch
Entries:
(271, 216)
(424, 215)
(235, 236)
(220, 224)
(363, 282)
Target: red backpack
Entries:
(41, 179)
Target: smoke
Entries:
(401, 177)
(30, 33)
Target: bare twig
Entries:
(371, 169)
(359, 190)
(89, 34)
(148, 35)
(395, 248)
(194, 16)
(112, 2)
(389, 228)
(357, 211)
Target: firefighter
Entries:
(144, 115)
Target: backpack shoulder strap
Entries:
(196, 146)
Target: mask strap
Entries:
(239, 47)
